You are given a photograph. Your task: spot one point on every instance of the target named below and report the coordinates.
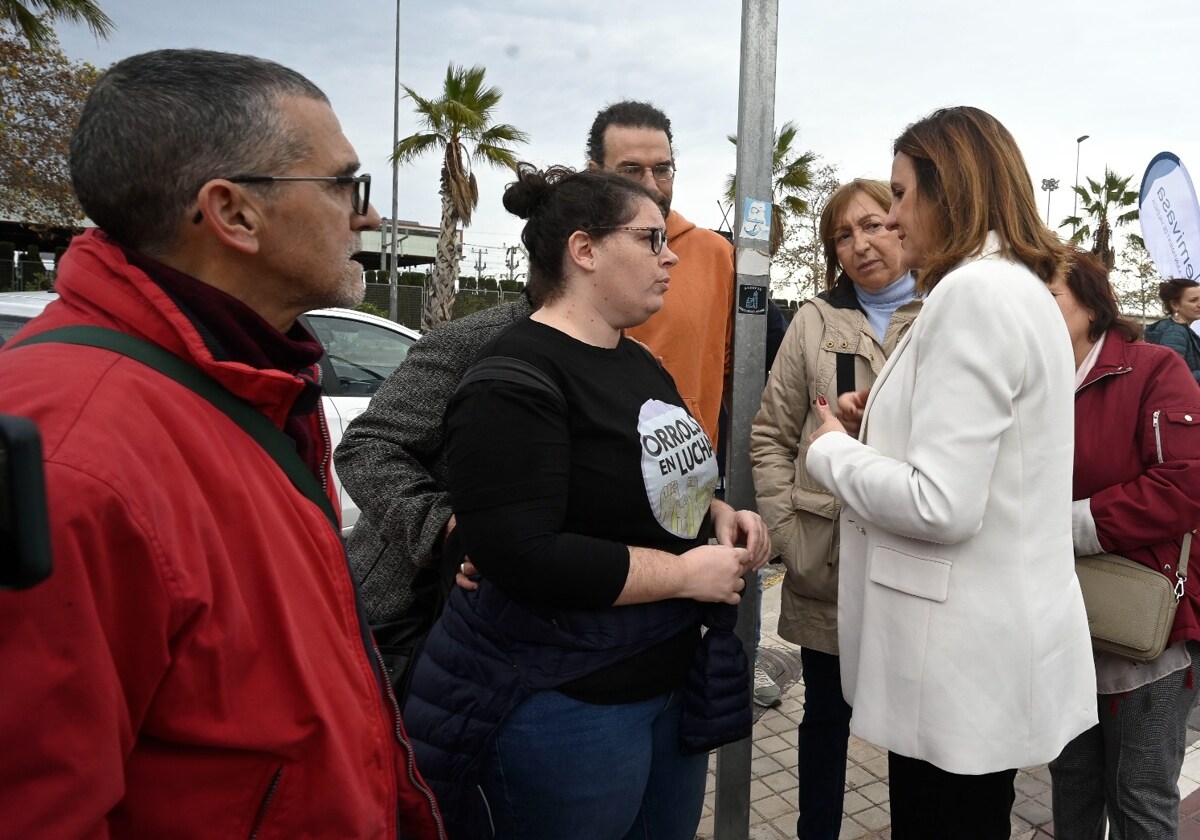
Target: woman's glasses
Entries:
(658, 236)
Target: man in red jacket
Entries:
(197, 664)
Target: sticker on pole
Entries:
(756, 220)
(752, 300)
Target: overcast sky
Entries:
(851, 74)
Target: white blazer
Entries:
(963, 636)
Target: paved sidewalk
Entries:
(773, 764)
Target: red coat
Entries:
(1137, 398)
(196, 665)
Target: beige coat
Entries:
(802, 515)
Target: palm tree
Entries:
(790, 176)
(35, 26)
(1104, 205)
(462, 115)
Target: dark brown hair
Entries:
(1170, 291)
(1088, 281)
(558, 202)
(972, 179)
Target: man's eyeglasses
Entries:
(660, 171)
(658, 236)
(360, 199)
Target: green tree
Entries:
(41, 95)
(454, 122)
(35, 26)
(790, 178)
(1105, 207)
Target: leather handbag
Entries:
(1131, 607)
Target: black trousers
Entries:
(823, 737)
(929, 803)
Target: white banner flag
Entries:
(1170, 217)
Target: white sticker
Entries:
(679, 467)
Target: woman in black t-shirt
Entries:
(583, 494)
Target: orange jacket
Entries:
(693, 333)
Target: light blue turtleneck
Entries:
(881, 305)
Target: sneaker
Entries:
(766, 693)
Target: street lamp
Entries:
(393, 275)
(1049, 185)
(1075, 213)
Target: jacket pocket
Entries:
(1172, 433)
(912, 574)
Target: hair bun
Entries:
(532, 189)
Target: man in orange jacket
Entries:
(693, 332)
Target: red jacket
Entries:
(1140, 398)
(196, 664)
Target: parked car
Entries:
(361, 351)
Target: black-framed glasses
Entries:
(660, 171)
(658, 236)
(360, 199)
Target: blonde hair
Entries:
(835, 208)
(972, 179)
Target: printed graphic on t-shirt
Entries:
(678, 466)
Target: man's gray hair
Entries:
(159, 125)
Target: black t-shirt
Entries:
(546, 503)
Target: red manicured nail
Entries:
(821, 400)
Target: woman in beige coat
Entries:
(838, 341)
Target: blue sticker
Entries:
(756, 220)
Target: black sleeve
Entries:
(776, 328)
(509, 461)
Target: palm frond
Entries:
(497, 156)
(503, 133)
(412, 147)
(793, 205)
(36, 26)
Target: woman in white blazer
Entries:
(964, 643)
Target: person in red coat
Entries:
(197, 664)
(1137, 492)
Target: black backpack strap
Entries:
(508, 369)
(278, 445)
(845, 373)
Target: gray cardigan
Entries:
(392, 462)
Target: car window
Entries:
(9, 325)
(363, 355)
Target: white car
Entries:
(361, 351)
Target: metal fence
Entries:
(411, 299)
(24, 276)
(28, 276)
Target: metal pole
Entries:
(393, 273)
(1078, 146)
(752, 230)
